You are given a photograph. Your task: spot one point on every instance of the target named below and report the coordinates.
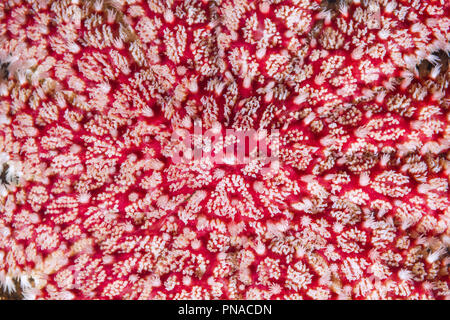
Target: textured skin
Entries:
(93, 205)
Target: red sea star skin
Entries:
(94, 205)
